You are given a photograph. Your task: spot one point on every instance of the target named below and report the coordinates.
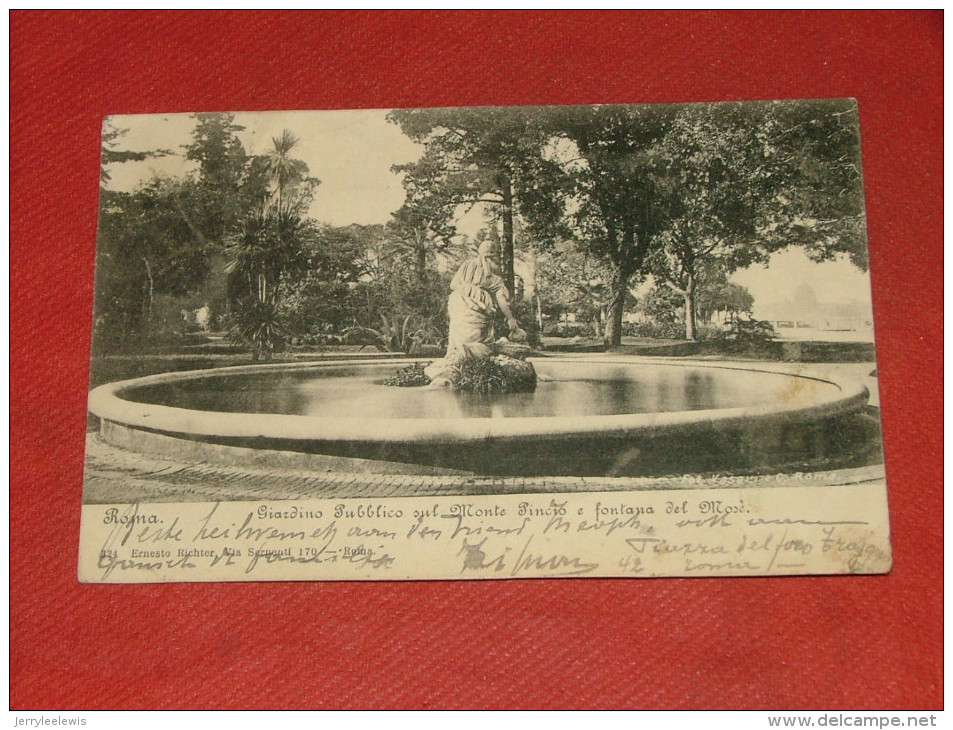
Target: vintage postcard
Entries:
(516, 342)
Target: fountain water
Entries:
(588, 416)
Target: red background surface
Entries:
(788, 643)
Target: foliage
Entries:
(489, 375)
(620, 205)
(716, 294)
(665, 308)
(396, 334)
(415, 238)
(266, 247)
(660, 304)
(604, 196)
(570, 279)
(391, 284)
(490, 156)
(747, 179)
(412, 376)
(816, 166)
(259, 325)
(291, 186)
(712, 166)
(748, 333)
(145, 249)
(220, 195)
(653, 330)
(161, 239)
(325, 296)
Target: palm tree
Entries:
(247, 249)
(268, 245)
(283, 170)
(264, 249)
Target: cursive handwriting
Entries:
(108, 563)
(550, 564)
(504, 536)
(757, 521)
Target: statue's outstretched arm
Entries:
(503, 301)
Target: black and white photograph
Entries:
(527, 341)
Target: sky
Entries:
(352, 153)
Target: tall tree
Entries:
(816, 165)
(419, 231)
(322, 296)
(621, 205)
(747, 179)
(490, 156)
(144, 248)
(714, 165)
(716, 294)
(266, 251)
(288, 177)
(220, 197)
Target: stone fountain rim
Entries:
(105, 402)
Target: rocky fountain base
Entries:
(502, 368)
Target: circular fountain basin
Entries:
(587, 417)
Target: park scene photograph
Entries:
(481, 300)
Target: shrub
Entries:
(258, 324)
(748, 333)
(396, 334)
(570, 329)
(412, 376)
(498, 374)
(655, 330)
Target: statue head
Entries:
(488, 249)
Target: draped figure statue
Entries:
(477, 293)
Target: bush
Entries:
(570, 329)
(748, 334)
(655, 330)
(412, 376)
(498, 374)
(406, 334)
(258, 325)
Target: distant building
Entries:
(804, 310)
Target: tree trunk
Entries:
(628, 259)
(151, 291)
(509, 277)
(421, 264)
(689, 296)
(614, 310)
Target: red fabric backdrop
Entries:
(821, 643)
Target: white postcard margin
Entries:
(745, 531)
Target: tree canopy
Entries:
(659, 190)
(493, 156)
(596, 199)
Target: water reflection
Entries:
(565, 389)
